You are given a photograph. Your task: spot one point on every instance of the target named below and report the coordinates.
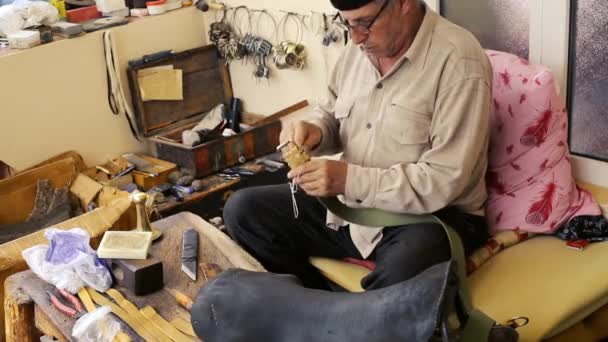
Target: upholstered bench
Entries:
(563, 292)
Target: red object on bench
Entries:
(82, 14)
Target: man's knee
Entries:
(239, 209)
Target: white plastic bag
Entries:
(37, 12)
(11, 20)
(68, 262)
(96, 326)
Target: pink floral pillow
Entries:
(529, 177)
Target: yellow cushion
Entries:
(556, 287)
(539, 278)
(347, 275)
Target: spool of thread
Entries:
(24, 39)
(156, 7)
(110, 5)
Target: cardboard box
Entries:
(206, 83)
(162, 167)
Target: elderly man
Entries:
(408, 106)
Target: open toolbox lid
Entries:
(206, 83)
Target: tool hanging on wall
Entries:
(259, 48)
(289, 54)
(241, 50)
(329, 36)
(222, 35)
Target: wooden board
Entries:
(206, 83)
(214, 247)
(48, 319)
(17, 193)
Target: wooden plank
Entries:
(46, 326)
(214, 248)
(17, 193)
(278, 115)
(80, 165)
(212, 184)
(18, 312)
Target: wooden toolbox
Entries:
(206, 83)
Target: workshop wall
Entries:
(53, 97)
(285, 87)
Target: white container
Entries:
(24, 39)
(125, 245)
(110, 5)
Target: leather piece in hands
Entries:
(241, 305)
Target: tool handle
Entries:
(183, 300)
(75, 302)
(64, 309)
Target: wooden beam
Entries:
(18, 313)
(282, 113)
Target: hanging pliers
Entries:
(74, 311)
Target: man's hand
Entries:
(321, 178)
(304, 134)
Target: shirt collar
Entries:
(418, 51)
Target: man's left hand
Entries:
(321, 177)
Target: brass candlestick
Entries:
(143, 221)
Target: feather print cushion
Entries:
(529, 179)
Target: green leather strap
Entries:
(478, 324)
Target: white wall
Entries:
(53, 97)
(285, 87)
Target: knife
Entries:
(190, 252)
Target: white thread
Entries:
(294, 188)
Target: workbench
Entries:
(29, 313)
(210, 202)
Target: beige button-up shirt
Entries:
(415, 139)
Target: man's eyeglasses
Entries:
(362, 27)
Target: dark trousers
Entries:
(262, 221)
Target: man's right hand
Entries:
(304, 134)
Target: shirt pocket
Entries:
(343, 108)
(406, 134)
(407, 125)
(343, 112)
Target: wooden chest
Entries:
(206, 83)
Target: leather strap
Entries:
(478, 325)
(183, 326)
(164, 326)
(84, 296)
(137, 325)
(134, 312)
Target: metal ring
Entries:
(517, 322)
